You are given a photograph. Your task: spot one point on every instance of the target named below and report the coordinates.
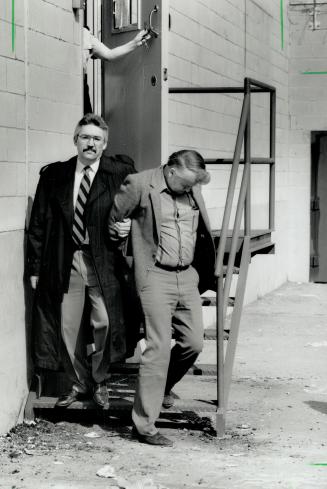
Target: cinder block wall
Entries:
(40, 99)
(308, 95)
(218, 43)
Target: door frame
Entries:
(94, 68)
(315, 211)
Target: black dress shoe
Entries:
(101, 396)
(68, 399)
(158, 439)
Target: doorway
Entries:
(93, 21)
(318, 214)
(135, 87)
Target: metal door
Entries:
(318, 248)
(135, 88)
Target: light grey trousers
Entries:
(169, 300)
(83, 280)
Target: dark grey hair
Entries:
(95, 120)
(193, 161)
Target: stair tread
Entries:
(124, 403)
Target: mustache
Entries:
(89, 149)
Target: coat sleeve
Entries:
(36, 229)
(126, 201)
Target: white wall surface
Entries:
(218, 43)
(308, 104)
(40, 100)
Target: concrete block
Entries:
(63, 4)
(16, 144)
(6, 41)
(67, 27)
(45, 147)
(3, 144)
(3, 74)
(12, 213)
(12, 182)
(38, 20)
(179, 68)
(52, 116)
(55, 53)
(12, 112)
(15, 76)
(183, 26)
(6, 12)
(62, 21)
(54, 85)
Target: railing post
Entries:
(247, 162)
(220, 413)
(231, 186)
(236, 232)
(272, 151)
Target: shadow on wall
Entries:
(28, 298)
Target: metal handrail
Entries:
(243, 208)
(231, 187)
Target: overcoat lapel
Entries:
(98, 185)
(65, 190)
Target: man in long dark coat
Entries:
(71, 260)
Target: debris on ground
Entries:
(106, 471)
(92, 434)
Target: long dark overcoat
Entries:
(50, 253)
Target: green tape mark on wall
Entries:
(13, 25)
(282, 23)
(314, 72)
(320, 465)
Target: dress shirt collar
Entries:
(93, 167)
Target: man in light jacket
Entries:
(174, 257)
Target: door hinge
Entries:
(165, 74)
(315, 204)
(314, 261)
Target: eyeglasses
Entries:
(86, 139)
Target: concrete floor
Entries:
(276, 418)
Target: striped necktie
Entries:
(78, 222)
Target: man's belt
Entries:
(168, 268)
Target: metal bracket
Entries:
(314, 24)
(78, 4)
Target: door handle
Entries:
(149, 28)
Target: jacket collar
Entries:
(157, 185)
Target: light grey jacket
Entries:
(139, 199)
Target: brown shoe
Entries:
(68, 399)
(101, 396)
(168, 400)
(158, 439)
